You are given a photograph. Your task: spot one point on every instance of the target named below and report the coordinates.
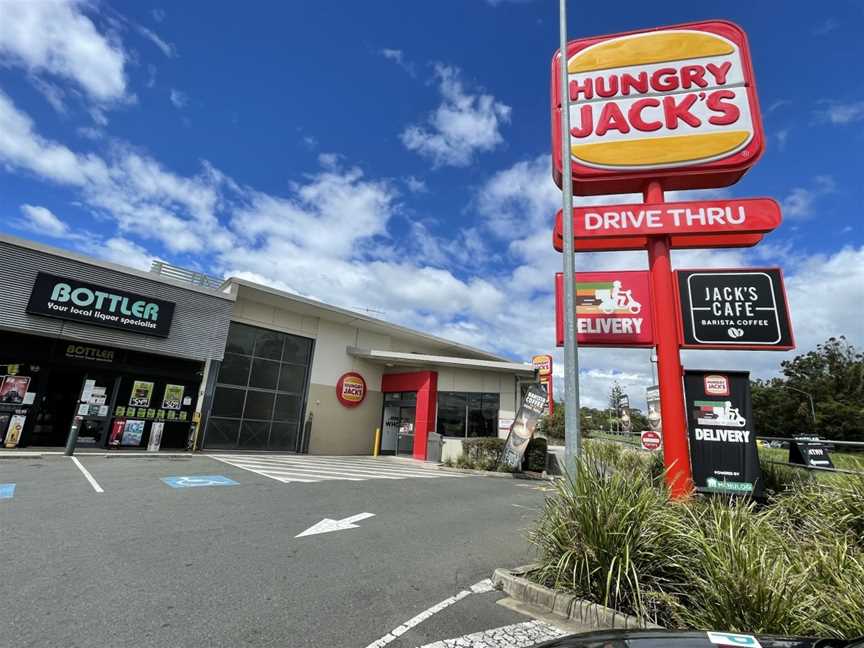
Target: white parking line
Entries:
(477, 588)
(87, 474)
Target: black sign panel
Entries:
(810, 452)
(734, 309)
(80, 301)
(723, 450)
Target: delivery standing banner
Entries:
(723, 450)
(523, 427)
(613, 309)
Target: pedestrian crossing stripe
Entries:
(311, 469)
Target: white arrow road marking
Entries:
(327, 525)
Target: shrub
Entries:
(737, 573)
(777, 478)
(482, 453)
(535, 455)
(607, 535)
(611, 535)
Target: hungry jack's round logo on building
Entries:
(351, 389)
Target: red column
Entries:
(424, 416)
(676, 452)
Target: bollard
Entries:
(72, 439)
(376, 449)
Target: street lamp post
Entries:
(809, 397)
(572, 433)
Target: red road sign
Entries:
(674, 104)
(650, 440)
(703, 219)
(613, 309)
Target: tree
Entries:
(833, 374)
(553, 426)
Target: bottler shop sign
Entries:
(744, 309)
(723, 449)
(79, 301)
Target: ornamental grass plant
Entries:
(793, 565)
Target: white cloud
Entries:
(151, 75)
(58, 38)
(134, 189)
(123, 251)
(90, 133)
(398, 57)
(801, 201)
(167, 49)
(416, 185)
(841, 113)
(782, 137)
(53, 94)
(779, 103)
(179, 99)
(826, 26)
(158, 15)
(42, 221)
(463, 124)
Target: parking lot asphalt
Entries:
(145, 564)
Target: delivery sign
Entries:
(613, 309)
(675, 104)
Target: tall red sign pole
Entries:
(676, 451)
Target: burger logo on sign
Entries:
(677, 99)
(543, 364)
(351, 389)
(716, 385)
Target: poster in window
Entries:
(132, 433)
(173, 397)
(5, 417)
(142, 392)
(16, 427)
(13, 388)
(116, 432)
(155, 436)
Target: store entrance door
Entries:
(397, 426)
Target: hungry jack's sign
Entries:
(676, 104)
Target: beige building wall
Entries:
(340, 430)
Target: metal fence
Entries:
(857, 446)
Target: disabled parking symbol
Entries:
(195, 481)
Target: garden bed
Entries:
(794, 565)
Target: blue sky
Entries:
(394, 156)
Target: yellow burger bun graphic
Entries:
(648, 48)
(662, 99)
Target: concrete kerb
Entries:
(494, 473)
(567, 606)
(7, 454)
